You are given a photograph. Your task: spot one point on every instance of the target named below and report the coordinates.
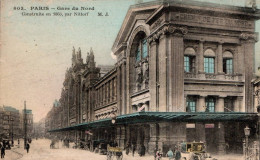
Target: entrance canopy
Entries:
(146, 117)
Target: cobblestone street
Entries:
(40, 150)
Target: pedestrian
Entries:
(177, 154)
(18, 143)
(3, 152)
(158, 155)
(142, 150)
(133, 149)
(170, 154)
(27, 147)
(127, 149)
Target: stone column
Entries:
(152, 75)
(238, 104)
(162, 135)
(138, 140)
(200, 132)
(220, 105)
(162, 57)
(220, 58)
(201, 107)
(221, 139)
(153, 139)
(122, 137)
(118, 135)
(247, 46)
(146, 136)
(177, 65)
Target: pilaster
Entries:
(238, 104)
(248, 44)
(220, 58)
(201, 104)
(152, 75)
(162, 57)
(200, 132)
(221, 138)
(177, 65)
(152, 145)
(220, 104)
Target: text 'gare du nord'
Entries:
(176, 79)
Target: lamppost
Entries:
(247, 133)
(12, 120)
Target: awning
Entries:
(146, 117)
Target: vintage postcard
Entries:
(130, 79)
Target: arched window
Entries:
(141, 50)
(189, 60)
(209, 61)
(227, 62)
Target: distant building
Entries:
(39, 129)
(9, 122)
(29, 122)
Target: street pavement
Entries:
(40, 150)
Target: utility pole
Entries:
(25, 125)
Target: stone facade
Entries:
(172, 56)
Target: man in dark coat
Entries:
(127, 149)
(133, 150)
(27, 147)
(3, 152)
(142, 150)
(177, 154)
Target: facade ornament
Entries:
(249, 36)
(257, 94)
(139, 77)
(167, 29)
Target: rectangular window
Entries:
(210, 104)
(209, 65)
(144, 48)
(186, 64)
(189, 64)
(191, 104)
(228, 66)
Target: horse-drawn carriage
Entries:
(197, 150)
(114, 153)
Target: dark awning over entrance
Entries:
(145, 117)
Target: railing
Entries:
(189, 75)
(252, 152)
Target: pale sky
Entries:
(35, 51)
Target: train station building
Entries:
(184, 72)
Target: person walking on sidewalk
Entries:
(177, 154)
(27, 147)
(133, 149)
(3, 152)
(170, 154)
(158, 155)
(127, 149)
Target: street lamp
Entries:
(247, 133)
(12, 131)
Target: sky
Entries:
(36, 51)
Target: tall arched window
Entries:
(189, 60)
(209, 61)
(141, 50)
(227, 62)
